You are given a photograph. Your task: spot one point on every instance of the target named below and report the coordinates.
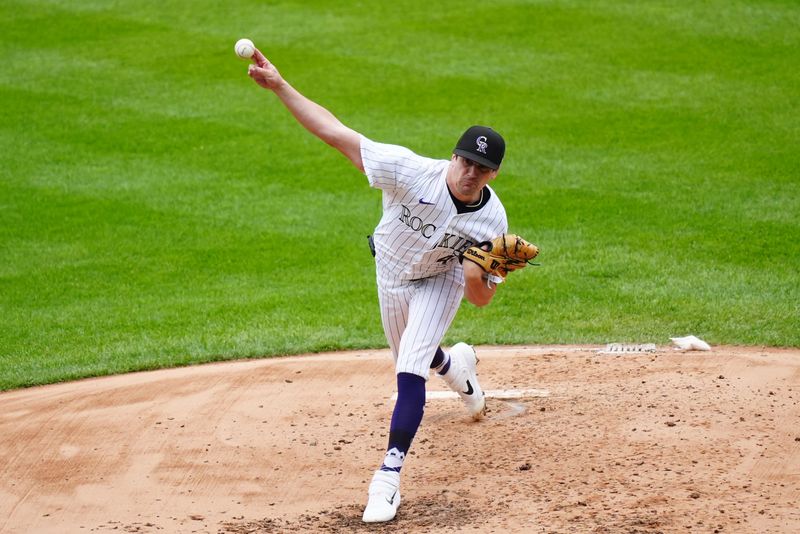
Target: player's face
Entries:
(466, 178)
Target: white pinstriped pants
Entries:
(416, 315)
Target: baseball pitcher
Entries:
(443, 236)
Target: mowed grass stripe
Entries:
(158, 209)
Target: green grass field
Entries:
(157, 208)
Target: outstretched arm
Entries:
(316, 119)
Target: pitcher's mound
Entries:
(662, 441)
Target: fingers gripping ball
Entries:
(245, 48)
(502, 254)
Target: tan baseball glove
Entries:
(502, 254)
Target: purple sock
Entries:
(406, 418)
(441, 358)
(438, 358)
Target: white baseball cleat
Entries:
(384, 497)
(462, 378)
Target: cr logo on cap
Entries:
(481, 141)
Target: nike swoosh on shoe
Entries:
(469, 391)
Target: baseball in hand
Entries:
(245, 48)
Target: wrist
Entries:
(492, 279)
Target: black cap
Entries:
(482, 145)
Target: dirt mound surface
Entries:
(575, 441)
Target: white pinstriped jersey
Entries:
(421, 234)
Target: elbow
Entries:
(479, 299)
(477, 291)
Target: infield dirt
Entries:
(669, 441)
